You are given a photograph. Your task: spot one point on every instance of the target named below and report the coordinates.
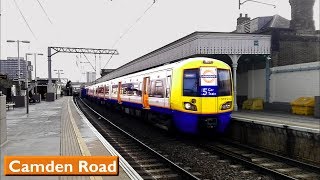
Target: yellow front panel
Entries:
(209, 105)
(205, 105)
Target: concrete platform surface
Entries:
(279, 119)
(52, 128)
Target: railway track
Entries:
(149, 163)
(241, 158)
(277, 166)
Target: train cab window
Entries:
(224, 82)
(191, 82)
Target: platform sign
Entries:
(208, 81)
(30, 68)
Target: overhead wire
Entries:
(88, 61)
(44, 11)
(129, 29)
(25, 20)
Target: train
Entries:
(190, 96)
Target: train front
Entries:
(202, 96)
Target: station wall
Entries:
(257, 83)
(287, 83)
(242, 84)
(252, 84)
(290, 82)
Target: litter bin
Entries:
(37, 98)
(19, 101)
(303, 106)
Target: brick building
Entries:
(295, 55)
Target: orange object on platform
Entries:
(61, 165)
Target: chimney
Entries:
(302, 16)
(241, 19)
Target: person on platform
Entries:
(31, 99)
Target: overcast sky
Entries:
(100, 23)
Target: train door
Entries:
(119, 93)
(145, 96)
(168, 89)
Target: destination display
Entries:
(208, 81)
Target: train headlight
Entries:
(189, 106)
(226, 105)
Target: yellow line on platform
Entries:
(83, 146)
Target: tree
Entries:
(4, 83)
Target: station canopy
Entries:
(197, 44)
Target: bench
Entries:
(8, 105)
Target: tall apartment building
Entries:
(91, 76)
(10, 68)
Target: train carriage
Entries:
(193, 94)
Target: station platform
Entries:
(54, 129)
(279, 119)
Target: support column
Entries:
(268, 60)
(49, 89)
(235, 58)
(234, 68)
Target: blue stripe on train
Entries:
(185, 122)
(189, 123)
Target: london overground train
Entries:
(190, 95)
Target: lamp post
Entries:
(35, 70)
(26, 83)
(19, 71)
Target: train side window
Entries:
(114, 89)
(150, 85)
(123, 89)
(107, 90)
(168, 86)
(139, 92)
(128, 89)
(157, 88)
(133, 89)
